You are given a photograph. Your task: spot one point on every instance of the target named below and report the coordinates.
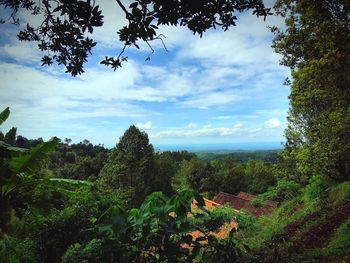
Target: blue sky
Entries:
(225, 88)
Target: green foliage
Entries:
(92, 251)
(4, 115)
(262, 231)
(232, 177)
(179, 156)
(317, 190)
(194, 174)
(223, 176)
(10, 136)
(165, 169)
(339, 244)
(214, 219)
(339, 193)
(315, 44)
(17, 250)
(45, 219)
(267, 156)
(284, 190)
(130, 165)
(155, 232)
(30, 162)
(48, 234)
(244, 220)
(135, 143)
(17, 166)
(81, 161)
(218, 216)
(229, 250)
(260, 177)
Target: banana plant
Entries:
(19, 168)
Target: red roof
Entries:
(246, 196)
(242, 201)
(250, 197)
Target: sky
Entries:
(224, 88)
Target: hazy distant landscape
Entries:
(217, 148)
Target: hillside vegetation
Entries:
(243, 156)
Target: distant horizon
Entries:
(242, 146)
(194, 147)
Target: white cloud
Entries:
(249, 73)
(223, 117)
(203, 131)
(272, 123)
(144, 126)
(214, 76)
(21, 51)
(47, 102)
(192, 125)
(114, 19)
(247, 43)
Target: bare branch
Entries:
(152, 51)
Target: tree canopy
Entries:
(64, 35)
(315, 45)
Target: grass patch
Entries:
(338, 246)
(267, 227)
(340, 193)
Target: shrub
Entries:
(244, 220)
(219, 216)
(284, 190)
(316, 190)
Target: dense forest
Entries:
(78, 202)
(244, 156)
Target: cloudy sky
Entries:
(225, 88)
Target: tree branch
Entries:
(124, 9)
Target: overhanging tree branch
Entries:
(62, 34)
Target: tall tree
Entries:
(259, 176)
(316, 46)
(130, 166)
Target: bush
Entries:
(225, 250)
(219, 216)
(316, 190)
(339, 245)
(340, 193)
(78, 253)
(284, 190)
(213, 220)
(245, 220)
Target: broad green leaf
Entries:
(8, 187)
(11, 148)
(4, 115)
(31, 161)
(70, 181)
